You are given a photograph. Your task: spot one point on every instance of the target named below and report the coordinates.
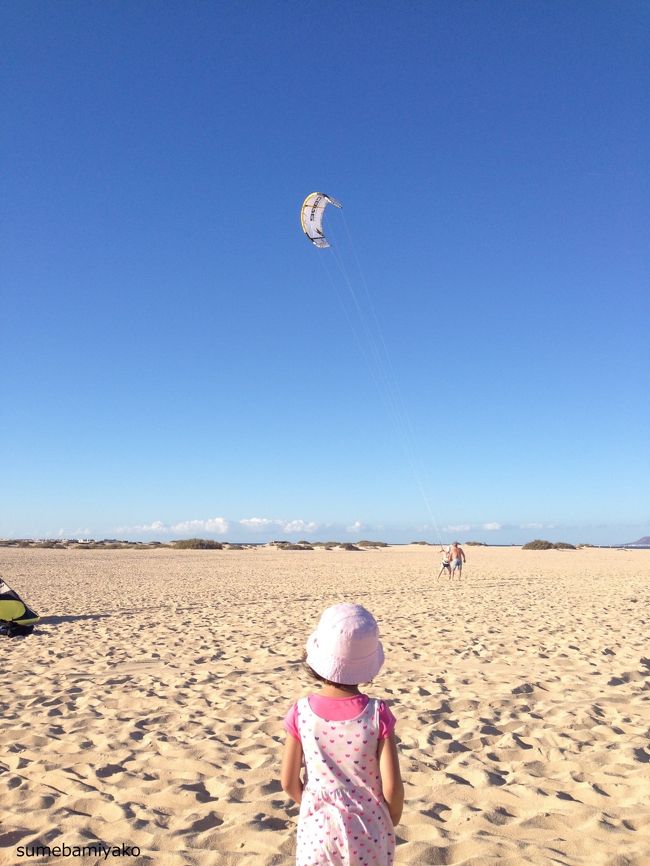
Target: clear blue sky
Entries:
(177, 361)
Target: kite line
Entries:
(368, 334)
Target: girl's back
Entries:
(343, 817)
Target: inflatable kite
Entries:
(15, 616)
(311, 217)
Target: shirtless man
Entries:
(457, 555)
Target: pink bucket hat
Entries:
(345, 648)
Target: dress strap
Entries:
(302, 706)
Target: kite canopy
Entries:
(13, 608)
(311, 217)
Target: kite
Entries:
(14, 611)
(311, 217)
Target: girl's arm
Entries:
(291, 765)
(391, 778)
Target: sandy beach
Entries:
(147, 708)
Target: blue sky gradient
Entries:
(176, 359)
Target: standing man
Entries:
(457, 558)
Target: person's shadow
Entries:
(58, 620)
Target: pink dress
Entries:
(344, 820)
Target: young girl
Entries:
(352, 792)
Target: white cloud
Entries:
(458, 527)
(212, 524)
(288, 526)
(492, 527)
(531, 526)
(141, 528)
(258, 522)
(355, 527)
(217, 525)
(299, 526)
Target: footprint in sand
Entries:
(458, 779)
(208, 822)
(108, 771)
(562, 795)
(641, 754)
(436, 811)
(494, 779)
(267, 822)
(499, 816)
(200, 790)
(13, 837)
(437, 734)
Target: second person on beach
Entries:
(351, 794)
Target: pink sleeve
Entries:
(291, 722)
(387, 721)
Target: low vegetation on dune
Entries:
(48, 545)
(324, 545)
(77, 544)
(290, 546)
(541, 544)
(476, 544)
(197, 544)
(372, 544)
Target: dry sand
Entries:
(147, 707)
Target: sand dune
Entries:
(147, 709)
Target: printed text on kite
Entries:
(311, 217)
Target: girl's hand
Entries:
(291, 766)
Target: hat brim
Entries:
(345, 672)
